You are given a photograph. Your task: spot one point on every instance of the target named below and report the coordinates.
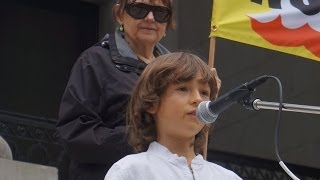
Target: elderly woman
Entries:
(91, 123)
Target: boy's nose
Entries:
(197, 98)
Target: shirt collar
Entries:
(163, 152)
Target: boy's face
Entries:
(176, 112)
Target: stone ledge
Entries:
(16, 170)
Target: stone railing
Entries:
(31, 138)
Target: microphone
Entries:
(208, 111)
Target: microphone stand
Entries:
(257, 104)
(247, 100)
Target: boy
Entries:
(162, 123)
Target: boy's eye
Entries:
(182, 88)
(205, 93)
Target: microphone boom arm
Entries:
(257, 104)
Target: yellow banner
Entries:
(283, 25)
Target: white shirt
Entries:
(158, 163)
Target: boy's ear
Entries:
(153, 109)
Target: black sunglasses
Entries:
(161, 14)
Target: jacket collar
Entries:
(126, 61)
(123, 56)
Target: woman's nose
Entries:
(150, 16)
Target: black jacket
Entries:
(91, 122)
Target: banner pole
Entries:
(212, 51)
(211, 65)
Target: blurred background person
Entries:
(91, 123)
